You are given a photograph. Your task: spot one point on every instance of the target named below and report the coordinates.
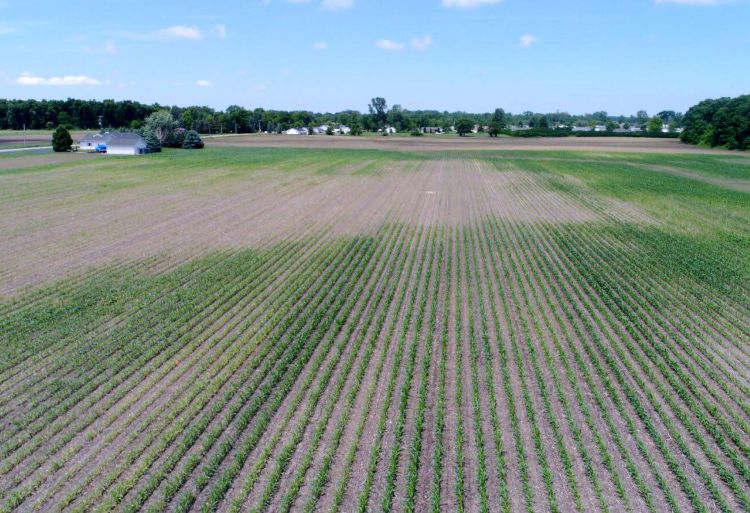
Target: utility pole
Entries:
(101, 125)
(24, 135)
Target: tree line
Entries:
(94, 114)
(723, 122)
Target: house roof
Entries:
(124, 139)
(113, 139)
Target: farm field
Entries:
(419, 329)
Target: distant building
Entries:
(431, 130)
(297, 131)
(114, 143)
(581, 129)
(600, 128)
(343, 130)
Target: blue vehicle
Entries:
(101, 148)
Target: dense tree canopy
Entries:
(86, 114)
(723, 122)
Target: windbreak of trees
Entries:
(85, 114)
(71, 113)
(724, 122)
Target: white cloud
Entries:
(27, 79)
(320, 45)
(387, 44)
(694, 2)
(179, 32)
(169, 33)
(336, 5)
(528, 40)
(421, 43)
(203, 83)
(221, 31)
(469, 4)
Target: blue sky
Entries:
(326, 55)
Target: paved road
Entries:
(27, 149)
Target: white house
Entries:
(114, 143)
(343, 129)
(600, 128)
(126, 144)
(91, 141)
(297, 131)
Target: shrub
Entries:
(61, 140)
(192, 141)
(152, 142)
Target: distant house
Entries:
(431, 130)
(342, 129)
(297, 131)
(320, 130)
(600, 128)
(114, 143)
(389, 130)
(581, 129)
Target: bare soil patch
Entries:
(441, 143)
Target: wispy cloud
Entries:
(527, 40)
(387, 44)
(421, 43)
(336, 5)
(28, 79)
(320, 45)
(469, 4)
(170, 33)
(203, 83)
(220, 31)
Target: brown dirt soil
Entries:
(421, 144)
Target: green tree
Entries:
(379, 111)
(611, 125)
(654, 124)
(498, 118)
(152, 142)
(61, 140)
(464, 126)
(192, 141)
(329, 130)
(162, 125)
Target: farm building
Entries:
(115, 143)
(91, 141)
(126, 144)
